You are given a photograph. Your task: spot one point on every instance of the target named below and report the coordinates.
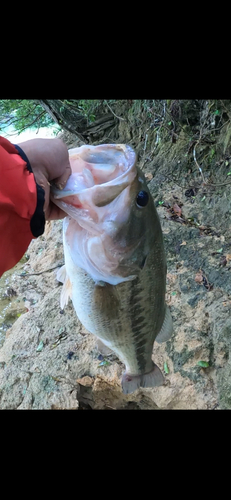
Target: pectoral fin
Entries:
(66, 292)
(61, 274)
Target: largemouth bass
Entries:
(115, 267)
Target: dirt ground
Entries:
(49, 361)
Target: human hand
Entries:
(49, 161)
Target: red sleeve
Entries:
(21, 205)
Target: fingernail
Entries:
(59, 185)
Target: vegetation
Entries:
(22, 114)
(200, 129)
(72, 115)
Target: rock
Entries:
(15, 310)
(85, 381)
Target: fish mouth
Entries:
(99, 184)
(105, 170)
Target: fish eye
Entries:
(142, 199)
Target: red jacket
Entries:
(21, 205)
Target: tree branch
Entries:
(119, 117)
(13, 120)
(29, 124)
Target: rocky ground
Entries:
(49, 361)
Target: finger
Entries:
(46, 187)
(60, 182)
(54, 213)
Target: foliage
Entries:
(71, 114)
(89, 108)
(201, 128)
(22, 114)
(85, 107)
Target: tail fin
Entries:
(132, 382)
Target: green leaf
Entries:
(104, 363)
(173, 293)
(229, 173)
(40, 346)
(203, 364)
(220, 250)
(166, 370)
(160, 202)
(216, 112)
(212, 153)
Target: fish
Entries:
(115, 264)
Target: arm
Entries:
(25, 173)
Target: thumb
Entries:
(60, 182)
